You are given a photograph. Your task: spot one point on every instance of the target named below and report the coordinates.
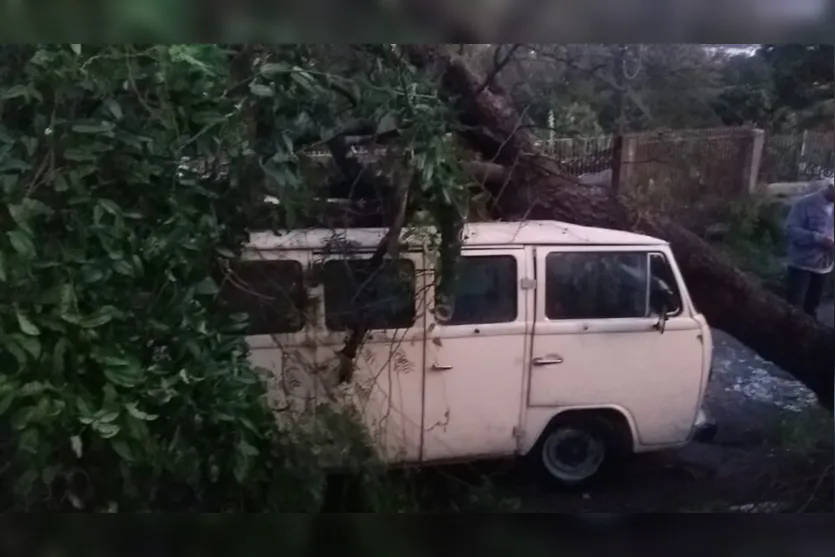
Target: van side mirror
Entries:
(663, 302)
(661, 324)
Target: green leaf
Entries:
(21, 243)
(92, 274)
(83, 407)
(76, 48)
(206, 287)
(13, 165)
(110, 207)
(49, 474)
(33, 388)
(31, 344)
(240, 469)
(26, 91)
(3, 276)
(122, 449)
(27, 326)
(114, 108)
(59, 182)
(29, 440)
(139, 414)
(387, 124)
(137, 264)
(20, 216)
(123, 268)
(13, 92)
(260, 90)
(305, 80)
(247, 449)
(77, 446)
(99, 318)
(272, 69)
(123, 376)
(93, 128)
(79, 155)
(6, 402)
(107, 417)
(25, 482)
(105, 430)
(115, 361)
(67, 301)
(58, 356)
(14, 349)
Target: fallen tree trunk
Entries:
(537, 189)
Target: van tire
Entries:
(578, 450)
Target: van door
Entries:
(476, 357)
(386, 387)
(599, 341)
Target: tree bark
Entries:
(730, 300)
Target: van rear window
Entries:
(271, 292)
(381, 299)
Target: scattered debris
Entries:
(762, 507)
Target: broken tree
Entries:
(536, 188)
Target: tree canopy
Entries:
(779, 87)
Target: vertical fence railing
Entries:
(797, 157)
(581, 155)
(694, 163)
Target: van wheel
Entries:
(577, 451)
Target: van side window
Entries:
(664, 294)
(271, 292)
(354, 294)
(596, 285)
(485, 291)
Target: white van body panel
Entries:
(656, 378)
(475, 379)
(438, 392)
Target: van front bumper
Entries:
(705, 428)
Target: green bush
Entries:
(755, 239)
(126, 183)
(124, 384)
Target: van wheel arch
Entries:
(606, 429)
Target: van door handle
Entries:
(547, 361)
(439, 367)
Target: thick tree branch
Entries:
(353, 170)
(499, 64)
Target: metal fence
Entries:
(680, 165)
(798, 157)
(580, 155)
(692, 165)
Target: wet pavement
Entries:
(747, 390)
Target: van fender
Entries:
(537, 420)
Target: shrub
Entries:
(124, 384)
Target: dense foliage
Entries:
(784, 88)
(127, 183)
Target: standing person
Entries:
(810, 251)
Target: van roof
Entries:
(475, 234)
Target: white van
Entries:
(571, 344)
